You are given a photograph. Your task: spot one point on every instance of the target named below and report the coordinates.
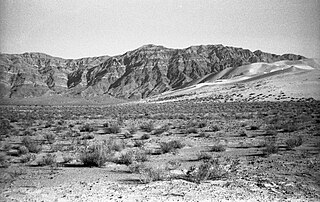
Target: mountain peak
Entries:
(151, 47)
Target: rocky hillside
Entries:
(146, 71)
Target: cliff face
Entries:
(146, 71)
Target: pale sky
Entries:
(75, 29)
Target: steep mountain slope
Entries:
(36, 74)
(148, 70)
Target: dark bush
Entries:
(145, 137)
(191, 130)
(218, 148)
(171, 146)
(270, 147)
(95, 155)
(294, 142)
(147, 126)
(209, 170)
(113, 129)
(32, 145)
(86, 128)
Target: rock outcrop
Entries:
(146, 71)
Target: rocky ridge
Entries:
(143, 72)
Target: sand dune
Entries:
(298, 78)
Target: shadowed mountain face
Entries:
(146, 71)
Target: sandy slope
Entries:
(284, 79)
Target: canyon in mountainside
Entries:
(141, 73)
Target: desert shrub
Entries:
(271, 133)
(6, 146)
(95, 155)
(191, 130)
(204, 156)
(46, 160)
(145, 137)
(67, 159)
(214, 128)
(141, 156)
(114, 145)
(203, 134)
(3, 157)
(129, 157)
(86, 128)
(127, 135)
(317, 145)
(59, 129)
(294, 142)
(87, 137)
(161, 130)
(270, 146)
(208, 170)
(148, 174)
(113, 128)
(4, 127)
(242, 133)
(23, 150)
(32, 145)
(71, 133)
(136, 167)
(61, 122)
(26, 158)
(132, 129)
(147, 126)
(3, 160)
(289, 127)
(170, 146)
(48, 124)
(49, 137)
(202, 124)
(138, 143)
(217, 148)
(4, 124)
(28, 133)
(173, 165)
(254, 127)
(126, 158)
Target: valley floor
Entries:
(174, 151)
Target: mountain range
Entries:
(140, 73)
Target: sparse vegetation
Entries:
(145, 136)
(129, 157)
(49, 137)
(87, 137)
(191, 130)
(112, 128)
(149, 174)
(32, 145)
(294, 142)
(147, 126)
(96, 155)
(214, 128)
(86, 128)
(170, 146)
(217, 148)
(138, 143)
(132, 129)
(23, 150)
(251, 130)
(48, 159)
(208, 170)
(204, 156)
(270, 146)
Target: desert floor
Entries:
(188, 150)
